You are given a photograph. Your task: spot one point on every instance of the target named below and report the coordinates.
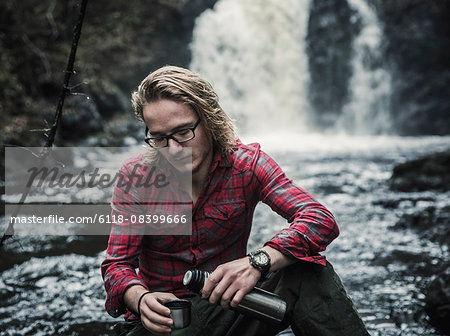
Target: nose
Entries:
(174, 147)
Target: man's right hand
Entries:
(155, 317)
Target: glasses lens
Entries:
(157, 142)
(184, 135)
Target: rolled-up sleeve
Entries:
(312, 226)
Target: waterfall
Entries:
(368, 110)
(253, 54)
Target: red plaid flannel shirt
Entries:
(221, 223)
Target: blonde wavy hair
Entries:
(184, 86)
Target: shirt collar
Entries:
(223, 159)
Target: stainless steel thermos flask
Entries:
(258, 303)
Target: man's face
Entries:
(163, 117)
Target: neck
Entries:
(199, 177)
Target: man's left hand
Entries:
(230, 282)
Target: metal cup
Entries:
(180, 312)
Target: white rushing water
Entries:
(253, 53)
(368, 110)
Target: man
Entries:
(181, 110)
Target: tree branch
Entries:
(57, 118)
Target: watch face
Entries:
(261, 259)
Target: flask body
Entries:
(258, 303)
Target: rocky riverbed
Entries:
(52, 285)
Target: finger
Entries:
(153, 303)
(227, 296)
(218, 291)
(237, 298)
(155, 312)
(163, 297)
(155, 328)
(211, 282)
(159, 305)
(156, 317)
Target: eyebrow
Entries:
(178, 128)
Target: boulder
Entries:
(437, 302)
(431, 172)
(430, 223)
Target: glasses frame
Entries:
(171, 135)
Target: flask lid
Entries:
(187, 278)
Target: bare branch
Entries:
(52, 133)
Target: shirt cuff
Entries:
(294, 245)
(115, 305)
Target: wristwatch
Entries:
(260, 260)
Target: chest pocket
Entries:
(166, 243)
(224, 220)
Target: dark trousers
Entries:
(317, 305)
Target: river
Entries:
(52, 285)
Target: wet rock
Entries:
(80, 118)
(388, 203)
(88, 329)
(431, 172)
(437, 302)
(332, 26)
(110, 102)
(20, 249)
(398, 256)
(119, 131)
(431, 223)
(420, 84)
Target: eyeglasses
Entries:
(180, 136)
